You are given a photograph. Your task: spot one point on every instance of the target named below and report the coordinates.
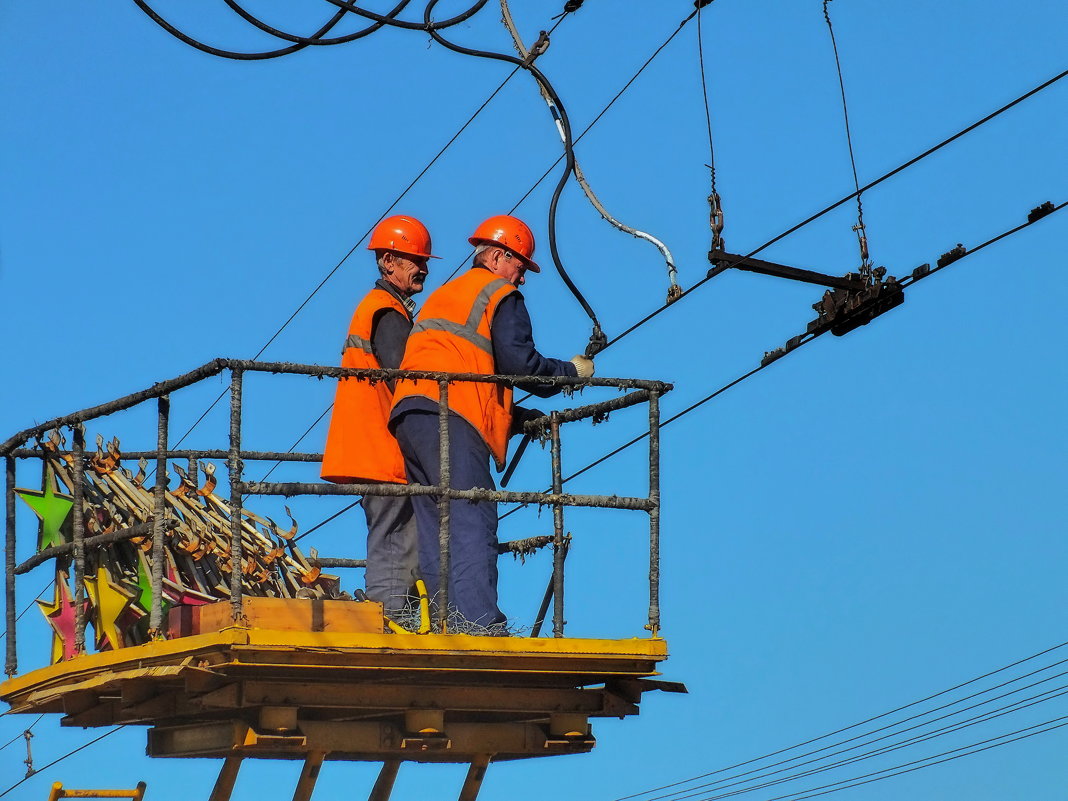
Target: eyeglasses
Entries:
(508, 254)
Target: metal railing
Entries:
(546, 428)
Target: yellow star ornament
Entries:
(110, 600)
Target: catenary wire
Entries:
(757, 369)
(850, 196)
(862, 235)
(29, 606)
(60, 759)
(21, 734)
(795, 796)
(895, 724)
(882, 750)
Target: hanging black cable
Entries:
(595, 120)
(715, 208)
(314, 41)
(261, 56)
(426, 25)
(597, 339)
(862, 234)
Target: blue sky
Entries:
(871, 520)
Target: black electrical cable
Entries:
(60, 759)
(850, 196)
(29, 606)
(306, 40)
(426, 25)
(893, 725)
(299, 440)
(352, 250)
(569, 152)
(595, 120)
(757, 369)
(261, 56)
(322, 523)
(21, 734)
(796, 797)
(882, 750)
(866, 721)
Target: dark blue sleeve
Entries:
(513, 346)
(389, 335)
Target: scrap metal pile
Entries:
(198, 564)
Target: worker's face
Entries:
(508, 266)
(405, 272)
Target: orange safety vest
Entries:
(359, 447)
(452, 335)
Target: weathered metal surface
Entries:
(155, 617)
(440, 603)
(78, 525)
(11, 664)
(558, 528)
(123, 534)
(502, 496)
(235, 466)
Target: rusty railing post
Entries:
(11, 664)
(159, 506)
(236, 466)
(654, 513)
(78, 522)
(444, 485)
(558, 529)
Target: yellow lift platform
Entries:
(305, 677)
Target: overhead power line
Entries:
(643, 795)
(759, 368)
(851, 195)
(931, 761)
(872, 754)
(60, 759)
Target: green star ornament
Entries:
(53, 509)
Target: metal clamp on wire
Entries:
(598, 341)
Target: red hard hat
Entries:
(403, 234)
(508, 232)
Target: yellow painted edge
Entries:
(651, 648)
(93, 663)
(397, 644)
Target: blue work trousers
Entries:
(392, 551)
(473, 526)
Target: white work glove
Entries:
(583, 366)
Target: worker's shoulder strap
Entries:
(375, 301)
(468, 330)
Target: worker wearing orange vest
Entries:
(359, 446)
(476, 323)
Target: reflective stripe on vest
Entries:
(359, 446)
(354, 341)
(468, 330)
